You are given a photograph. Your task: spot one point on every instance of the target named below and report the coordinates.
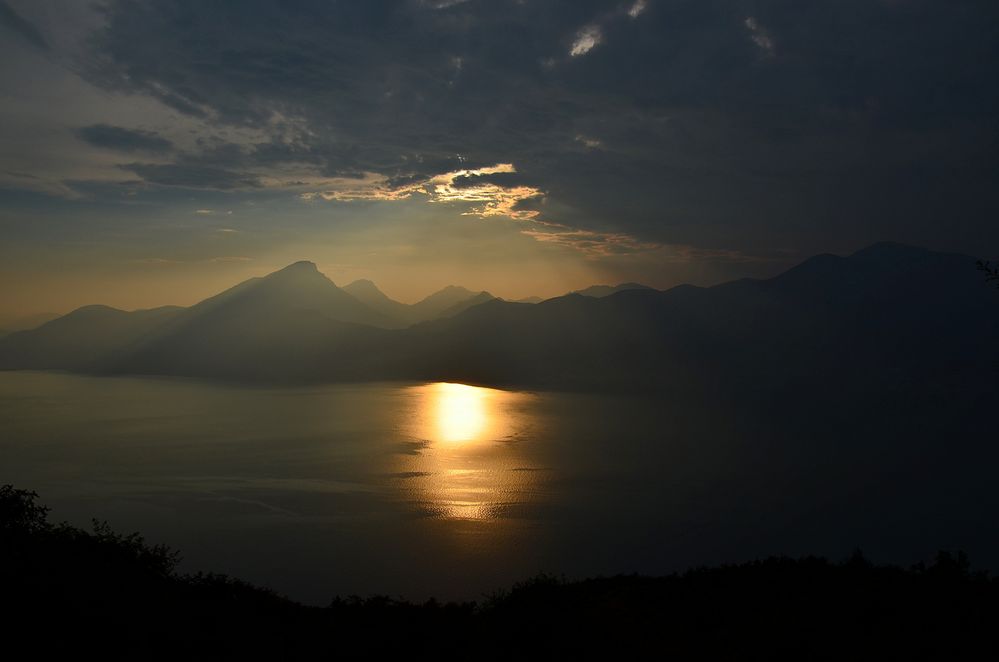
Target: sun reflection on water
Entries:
(461, 413)
(470, 463)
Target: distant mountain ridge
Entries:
(368, 293)
(9, 325)
(441, 301)
(600, 291)
(299, 286)
(889, 312)
(445, 302)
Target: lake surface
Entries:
(455, 491)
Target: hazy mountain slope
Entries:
(600, 291)
(368, 293)
(461, 306)
(299, 286)
(437, 303)
(265, 321)
(83, 338)
(275, 327)
(880, 319)
(447, 302)
(25, 322)
(570, 341)
(289, 345)
(886, 314)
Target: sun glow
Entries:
(469, 464)
(460, 413)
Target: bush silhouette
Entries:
(67, 591)
(991, 273)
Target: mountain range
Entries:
(887, 315)
(10, 324)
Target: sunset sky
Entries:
(156, 152)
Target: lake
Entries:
(455, 491)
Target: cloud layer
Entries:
(726, 129)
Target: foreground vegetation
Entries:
(67, 591)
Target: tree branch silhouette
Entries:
(991, 273)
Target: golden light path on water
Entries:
(468, 462)
(462, 413)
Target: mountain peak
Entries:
(454, 289)
(363, 286)
(303, 269)
(301, 265)
(93, 308)
(368, 293)
(451, 293)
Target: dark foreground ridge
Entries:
(67, 591)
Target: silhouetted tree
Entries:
(991, 273)
(60, 585)
(19, 512)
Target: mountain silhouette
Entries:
(600, 291)
(368, 293)
(299, 286)
(9, 325)
(446, 302)
(275, 327)
(441, 302)
(461, 306)
(83, 339)
(888, 314)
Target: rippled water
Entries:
(449, 489)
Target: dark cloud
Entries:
(20, 175)
(192, 176)
(124, 140)
(717, 123)
(13, 21)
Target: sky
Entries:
(154, 152)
